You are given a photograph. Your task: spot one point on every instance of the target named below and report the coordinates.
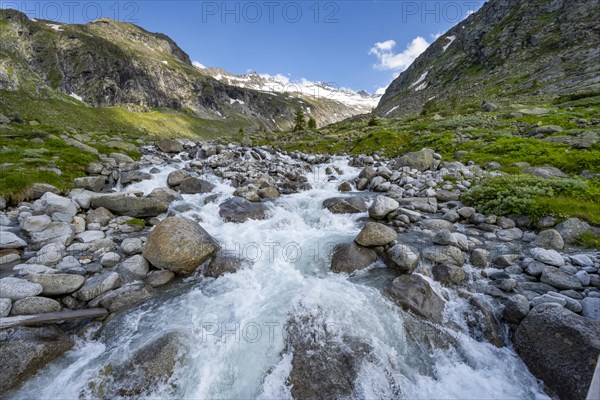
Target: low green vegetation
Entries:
(537, 197)
(589, 240)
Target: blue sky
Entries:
(356, 44)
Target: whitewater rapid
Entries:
(238, 320)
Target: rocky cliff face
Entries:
(107, 63)
(511, 50)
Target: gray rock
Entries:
(89, 236)
(420, 160)
(590, 308)
(559, 279)
(349, 257)
(414, 293)
(170, 145)
(50, 254)
(549, 239)
(134, 268)
(160, 277)
(240, 210)
(559, 347)
(134, 176)
(16, 288)
(57, 284)
(382, 206)
(121, 158)
(168, 195)
(125, 204)
(571, 229)
(480, 258)
(548, 257)
(25, 350)
(345, 187)
(437, 224)
(110, 259)
(268, 193)
(445, 238)
(223, 264)
(402, 257)
(515, 308)
(5, 306)
(194, 185)
(60, 233)
(583, 277)
(375, 234)
(545, 172)
(92, 183)
(132, 246)
(35, 305)
(448, 274)
(444, 255)
(35, 223)
(9, 240)
(51, 203)
(346, 205)
(97, 285)
(39, 189)
(126, 296)
(535, 268)
(179, 245)
(176, 177)
(506, 223)
(509, 235)
(582, 260)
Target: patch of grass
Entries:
(136, 222)
(589, 240)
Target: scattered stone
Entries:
(590, 308)
(194, 185)
(448, 274)
(549, 239)
(35, 223)
(16, 288)
(420, 160)
(126, 296)
(345, 187)
(444, 255)
(57, 284)
(240, 210)
(515, 308)
(571, 229)
(480, 258)
(9, 240)
(559, 279)
(92, 183)
(402, 257)
(382, 206)
(170, 146)
(39, 189)
(223, 264)
(35, 305)
(125, 204)
(160, 277)
(133, 269)
(110, 259)
(346, 205)
(132, 246)
(5, 306)
(548, 257)
(97, 285)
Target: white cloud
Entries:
(381, 90)
(198, 65)
(388, 60)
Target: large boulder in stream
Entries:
(180, 245)
(559, 347)
(325, 363)
(350, 257)
(24, 350)
(241, 210)
(346, 205)
(414, 293)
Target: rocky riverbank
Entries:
(109, 245)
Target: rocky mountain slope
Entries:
(509, 51)
(106, 63)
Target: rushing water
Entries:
(238, 320)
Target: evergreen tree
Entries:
(299, 122)
(312, 123)
(372, 119)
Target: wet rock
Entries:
(345, 187)
(179, 245)
(60, 233)
(382, 206)
(480, 258)
(444, 255)
(559, 347)
(57, 284)
(325, 365)
(559, 279)
(132, 246)
(349, 257)
(375, 234)
(16, 288)
(268, 193)
(346, 205)
(160, 277)
(549, 239)
(97, 285)
(402, 257)
(164, 194)
(110, 259)
(35, 223)
(176, 177)
(99, 216)
(194, 185)
(240, 210)
(92, 183)
(134, 176)
(35, 305)
(515, 308)
(413, 292)
(445, 238)
(571, 229)
(126, 296)
(89, 236)
(590, 308)
(25, 350)
(152, 365)
(5, 306)
(126, 204)
(483, 323)
(448, 274)
(51, 203)
(581, 260)
(437, 224)
(223, 264)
